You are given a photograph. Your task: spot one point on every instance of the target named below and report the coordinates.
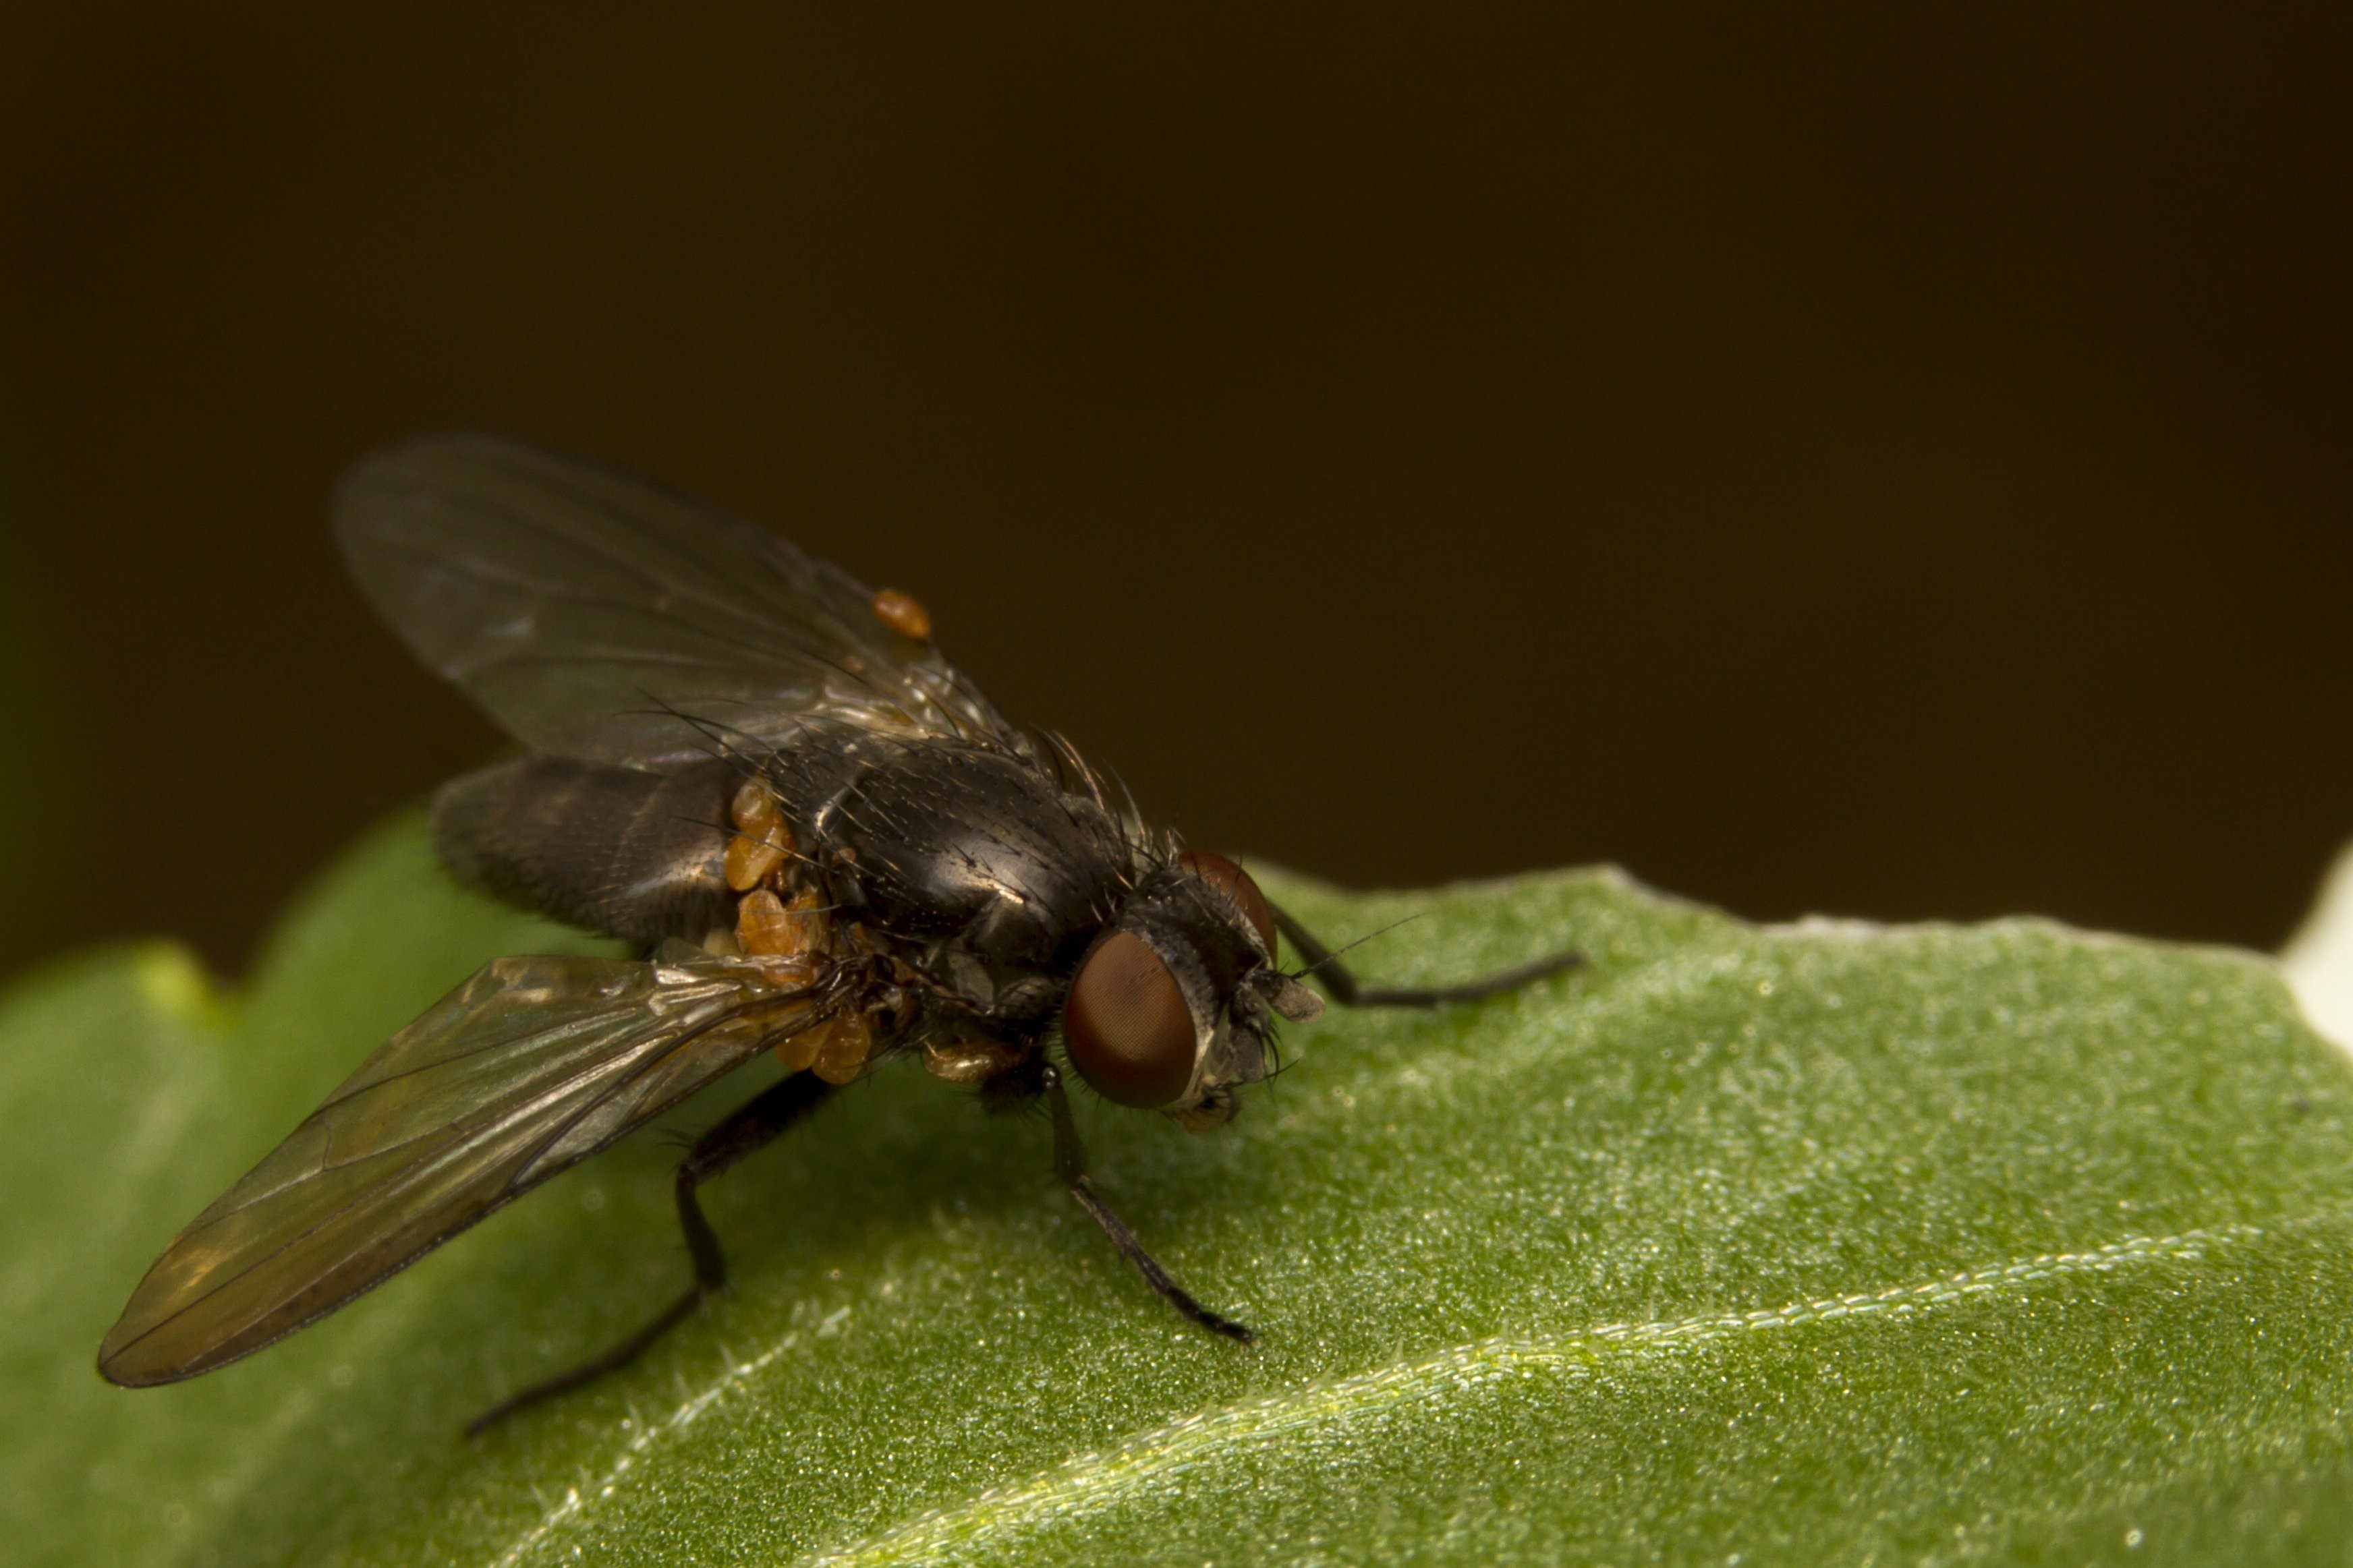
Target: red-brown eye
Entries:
(1235, 883)
(1127, 1026)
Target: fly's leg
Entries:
(757, 1121)
(1348, 994)
(1071, 1165)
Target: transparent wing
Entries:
(530, 1067)
(595, 614)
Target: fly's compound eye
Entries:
(1235, 883)
(1127, 1026)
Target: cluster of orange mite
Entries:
(775, 919)
(781, 916)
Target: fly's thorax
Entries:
(971, 844)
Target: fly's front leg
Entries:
(1348, 994)
(1071, 1165)
(757, 1121)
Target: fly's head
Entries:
(1175, 1005)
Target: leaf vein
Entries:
(1095, 1483)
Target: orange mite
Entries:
(904, 614)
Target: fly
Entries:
(822, 840)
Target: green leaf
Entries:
(1824, 1244)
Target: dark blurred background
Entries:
(1889, 462)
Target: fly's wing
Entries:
(528, 1067)
(603, 618)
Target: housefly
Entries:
(821, 839)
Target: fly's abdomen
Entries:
(636, 854)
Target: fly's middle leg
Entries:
(756, 1123)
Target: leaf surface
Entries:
(1816, 1243)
